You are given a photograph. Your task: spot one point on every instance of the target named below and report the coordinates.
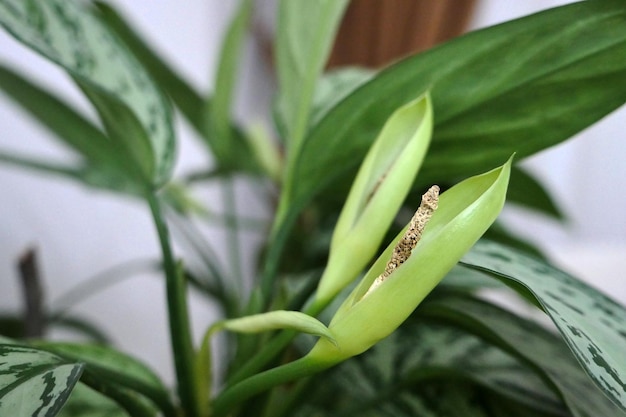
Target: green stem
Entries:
(232, 236)
(271, 349)
(247, 388)
(180, 332)
(283, 223)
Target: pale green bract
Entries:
(274, 320)
(381, 186)
(465, 212)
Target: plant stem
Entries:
(180, 332)
(34, 320)
(283, 223)
(245, 389)
(271, 349)
(232, 226)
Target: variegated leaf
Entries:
(34, 383)
(69, 35)
(593, 325)
(420, 355)
(116, 374)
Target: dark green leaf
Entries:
(593, 325)
(66, 123)
(527, 192)
(223, 144)
(69, 35)
(85, 402)
(500, 234)
(80, 326)
(531, 343)
(333, 87)
(396, 371)
(34, 383)
(12, 325)
(101, 158)
(521, 87)
(465, 279)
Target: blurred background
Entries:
(79, 232)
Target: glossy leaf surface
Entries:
(531, 343)
(593, 325)
(521, 86)
(418, 357)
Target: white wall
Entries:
(80, 232)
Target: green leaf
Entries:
(66, 123)
(334, 86)
(104, 165)
(85, 402)
(592, 324)
(12, 325)
(184, 96)
(128, 138)
(465, 279)
(67, 34)
(275, 320)
(531, 343)
(39, 165)
(517, 87)
(107, 369)
(420, 353)
(425, 369)
(500, 234)
(196, 109)
(223, 144)
(527, 192)
(34, 383)
(81, 326)
(305, 32)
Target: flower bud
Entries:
(377, 306)
(379, 189)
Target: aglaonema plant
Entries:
(387, 321)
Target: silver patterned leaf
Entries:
(69, 35)
(391, 378)
(34, 383)
(592, 324)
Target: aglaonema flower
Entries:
(414, 264)
(379, 189)
(444, 228)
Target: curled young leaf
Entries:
(274, 320)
